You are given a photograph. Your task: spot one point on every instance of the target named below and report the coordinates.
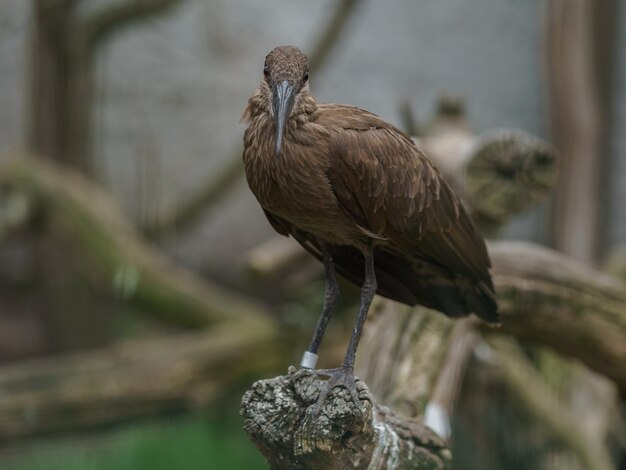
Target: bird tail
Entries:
(480, 299)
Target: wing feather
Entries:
(391, 189)
(429, 252)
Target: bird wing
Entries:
(391, 190)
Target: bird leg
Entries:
(344, 375)
(331, 294)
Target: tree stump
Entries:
(281, 421)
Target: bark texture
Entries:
(344, 435)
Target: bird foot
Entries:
(341, 376)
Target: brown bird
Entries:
(360, 196)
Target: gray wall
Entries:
(615, 177)
(14, 27)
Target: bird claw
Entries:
(341, 376)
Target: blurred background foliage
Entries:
(133, 234)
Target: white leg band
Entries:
(309, 360)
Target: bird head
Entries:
(285, 80)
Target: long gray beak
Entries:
(282, 102)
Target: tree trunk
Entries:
(62, 87)
(578, 110)
(64, 46)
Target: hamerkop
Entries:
(360, 196)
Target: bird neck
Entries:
(306, 106)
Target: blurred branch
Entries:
(131, 269)
(201, 202)
(408, 119)
(414, 359)
(402, 353)
(132, 379)
(449, 382)
(61, 85)
(16, 212)
(508, 173)
(498, 174)
(327, 41)
(525, 382)
(343, 436)
(109, 19)
(273, 256)
(547, 298)
(544, 297)
(47, 6)
(615, 263)
(208, 195)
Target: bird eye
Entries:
(306, 77)
(266, 71)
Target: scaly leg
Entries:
(331, 294)
(344, 375)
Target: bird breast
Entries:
(294, 185)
